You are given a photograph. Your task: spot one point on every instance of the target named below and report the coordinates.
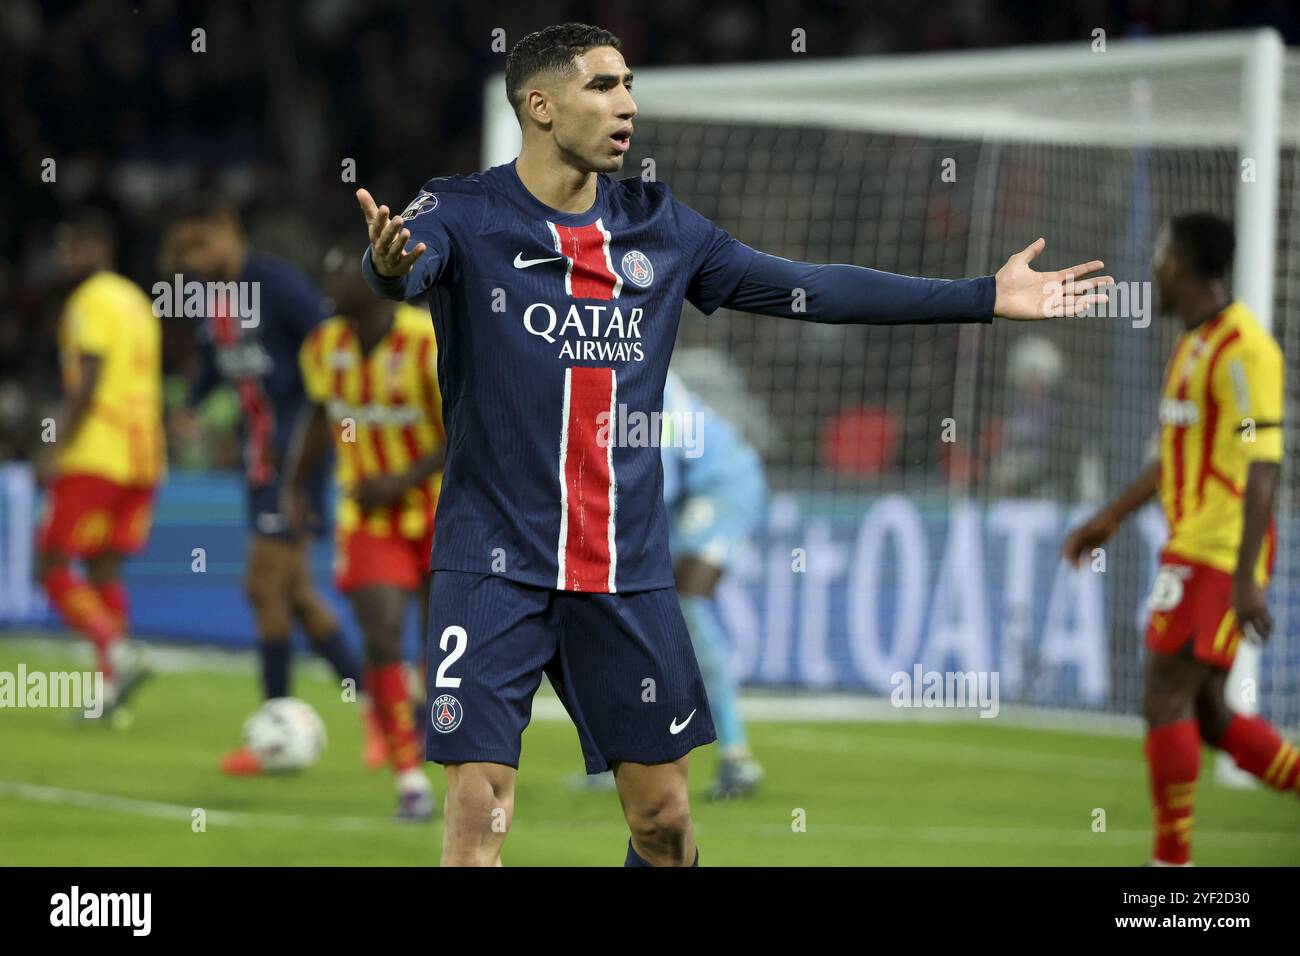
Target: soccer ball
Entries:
(286, 734)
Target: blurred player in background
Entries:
(257, 355)
(108, 453)
(371, 376)
(1216, 475)
(716, 495)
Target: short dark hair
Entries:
(551, 50)
(1205, 243)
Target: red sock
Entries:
(84, 611)
(1174, 760)
(387, 686)
(1257, 749)
(114, 597)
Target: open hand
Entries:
(1025, 294)
(388, 239)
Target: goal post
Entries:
(943, 164)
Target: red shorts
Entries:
(1193, 603)
(88, 515)
(362, 559)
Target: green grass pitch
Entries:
(975, 793)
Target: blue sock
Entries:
(275, 669)
(634, 858)
(712, 651)
(334, 649)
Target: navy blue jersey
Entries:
(550, 325)
(259, 359)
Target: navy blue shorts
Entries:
(622, 664)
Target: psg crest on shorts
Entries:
(637, 268)
(425, 202)
(445, 714)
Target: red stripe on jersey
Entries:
(350, 450)
(318, 347)
(590, 273)
(586, 553)
(344, 340)
(257, 416)
(1179, 432)
(410, 441)
(1212, 419)
(376, 439)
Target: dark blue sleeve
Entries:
(301, 303)
(426, 216)
(729, 273)
(840, 294)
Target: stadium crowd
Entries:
(254, 107)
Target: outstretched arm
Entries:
(837, 294)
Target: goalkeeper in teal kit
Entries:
(716, 496)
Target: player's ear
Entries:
(535, 107)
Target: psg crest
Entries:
(637, 268)
(425, 202)
(445, 714)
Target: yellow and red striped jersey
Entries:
(121, 436)
(385, 412)
(1220, 410)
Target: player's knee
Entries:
(1164, 705)
(48, 563)
(662, 825)
(270, 606)
(382, 651)
(1212, 719)
(103, 569)
(310, 609)
(479, 802)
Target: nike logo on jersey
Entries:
(675, 728)
(522, 263)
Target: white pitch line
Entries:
(865, 833)
(88, 800)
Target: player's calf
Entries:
(1173, 750)
(1250, 740)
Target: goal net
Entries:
(922, 477)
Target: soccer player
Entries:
(251, 340)
(1216, 475)
(556, 291)
(371, 376)
(109, 453)
(715, 495)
